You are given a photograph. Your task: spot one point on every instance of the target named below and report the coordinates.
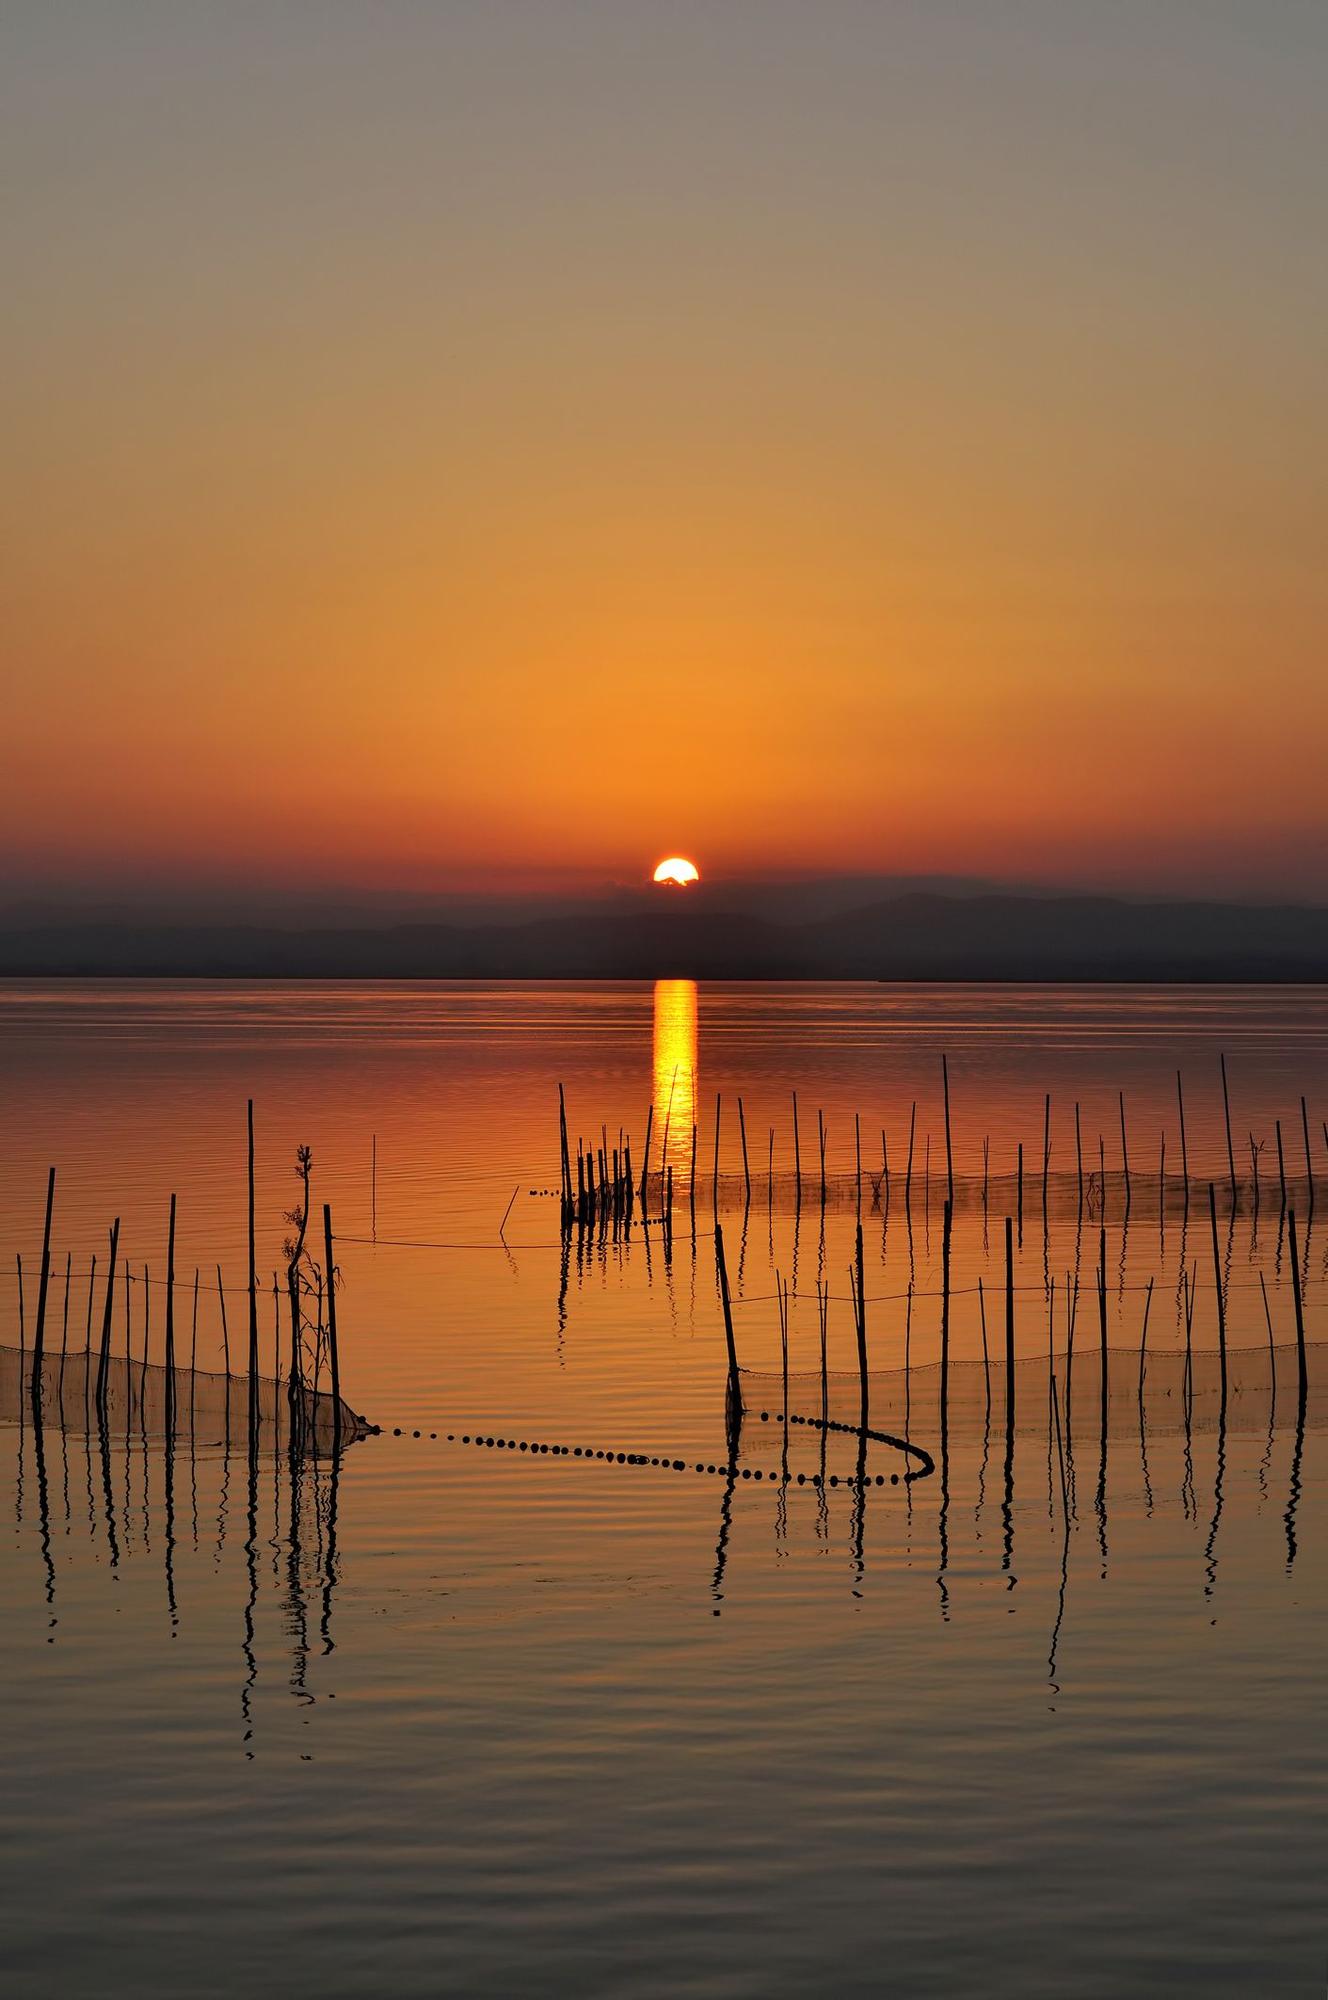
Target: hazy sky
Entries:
(450, 443)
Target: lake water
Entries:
(440, 1716)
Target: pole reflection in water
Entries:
(675, 1075)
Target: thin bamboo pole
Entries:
(43, 1286)
(1226, 1113)
(1221, 1300)
(225, 1332)
(253, 1294)
(104, 1353)
(1299, 1303)
(721, 1269)
(334, 1359)
(1009, 1327)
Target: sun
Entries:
(677, 873)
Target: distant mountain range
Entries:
(688, 934)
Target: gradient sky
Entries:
(448, 445)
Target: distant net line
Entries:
(1173, 1392)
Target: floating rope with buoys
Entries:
(722, 1469)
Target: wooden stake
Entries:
(1184, 1153)
(1102, 1308)
(253, 1292)
(1009, 1326)
(645, 1160)
(43, 1286)
(1226, 1113)
(334, 1359)
(225, 1334)
(104, 1353)
(1143, 1341)
(1300, 1307)
(1309, 1163)
(947, 1217)
(1046, 1147)
(862, 1329)
(1125, 1149)
(170, 1298)
(1079, 1157)
(908, 1170)
(1281, 1166)
(564, 1154)
(1221, 1301)
(735, 1386)
(949, 1154)
(797, 1150)
(64, 1321)
(746, 1170)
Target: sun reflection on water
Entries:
(675, 1072)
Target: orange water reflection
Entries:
(675, 1072)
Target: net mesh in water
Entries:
(1262, 1388)
(150, 1399)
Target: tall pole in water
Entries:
(253, 1293)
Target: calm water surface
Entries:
(450, 1717)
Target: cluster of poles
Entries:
(600, 1190)
(301, 1277)
(735, 1396)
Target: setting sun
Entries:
(677, 872)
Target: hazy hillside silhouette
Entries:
(917, 936)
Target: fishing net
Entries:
(1176, 1392)
(151, 1400)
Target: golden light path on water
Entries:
(675, 1072)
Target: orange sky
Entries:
(476, 443)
